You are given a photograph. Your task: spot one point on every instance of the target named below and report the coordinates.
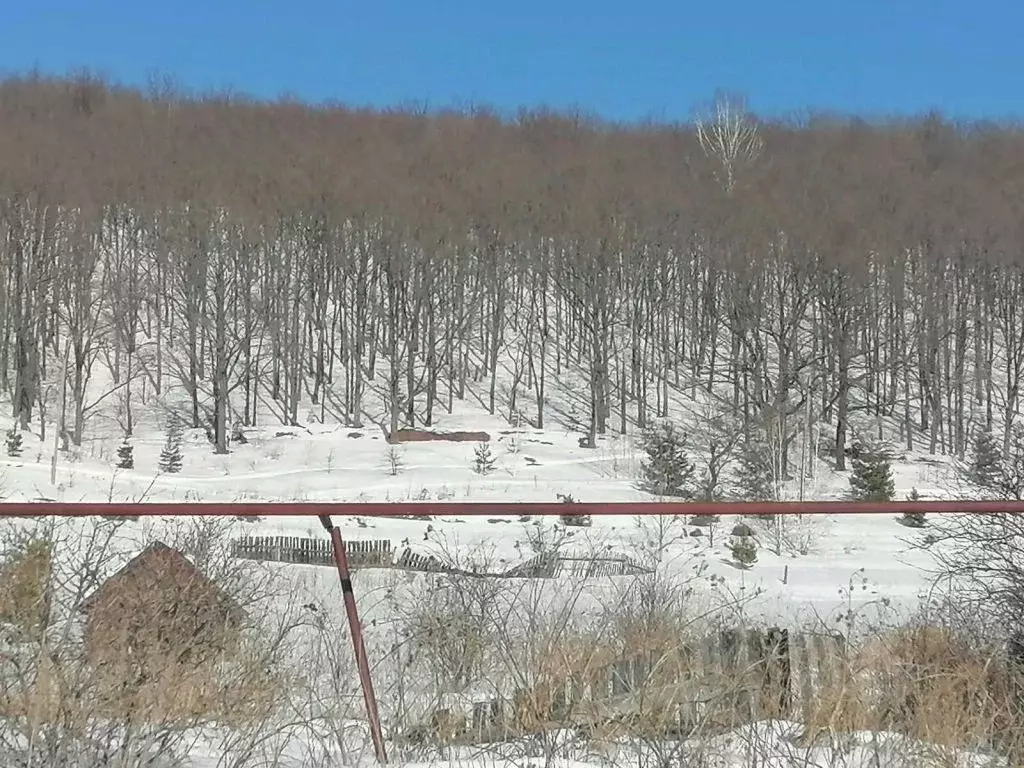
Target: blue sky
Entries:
(622, 60)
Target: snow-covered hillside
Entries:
(857, 574)
(224, 300)
(315, 462)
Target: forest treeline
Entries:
(286, 251)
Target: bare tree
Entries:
(822, 268)
(80, 699)
(730, 136)
(81, 290)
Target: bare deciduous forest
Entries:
(258, 258)
(278, 250)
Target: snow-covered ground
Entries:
(819, 571)
(768, 744)
(807, 568)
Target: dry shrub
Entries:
(232, 691)
(443, 729)
(664, 679)
(159, 655)
(559, 673)
(659, 628)
(457, 644)
(932, 685)
(604, 735)
(840, 703)
(925, 682)
(447, 726)
(36, 696)
(154, 681)
(160, 612)
(24, 588)
(630, 668)
(450, 624)
(671, 678)
(651, 634)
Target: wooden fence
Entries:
(378, 554)
(732, 677)
(414, 561)
(310, 551)
(549, 566)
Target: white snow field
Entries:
(854, 574)
(819, 556)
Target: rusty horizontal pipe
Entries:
(502, 508)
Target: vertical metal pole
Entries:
(369, 698)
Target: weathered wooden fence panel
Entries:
(414, 561)
(552, 565)
(734, 676)
(310, 551)
(378, 554)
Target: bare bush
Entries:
(101, 670)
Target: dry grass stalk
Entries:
(137, 665)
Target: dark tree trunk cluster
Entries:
(287, 254)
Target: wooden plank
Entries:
(310, 551)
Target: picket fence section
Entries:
(379, 554)
(551, 566)
(734, 676)
(416, 561)
(310, 551)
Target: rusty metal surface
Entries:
(503, 508)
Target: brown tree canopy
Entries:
(297, 246)
(84, 142)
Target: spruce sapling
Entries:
(125, 456)
(170, 460)
(666, 471)
(14, 442)
(755, 475)
(913, 519)
(483, 459)
(984, 471)
(569, 519)
(871, 479)
(743, 549)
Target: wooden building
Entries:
(160, 609)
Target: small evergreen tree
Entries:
(483, 459)
(913, 519)
(756, 471)
(667, 471)
(170, 456)
(125, 456)
(871, 479)
(569, 519)
(14, 442)
(27, 571)
(984, 470)
(741, 530)
(744, 550)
